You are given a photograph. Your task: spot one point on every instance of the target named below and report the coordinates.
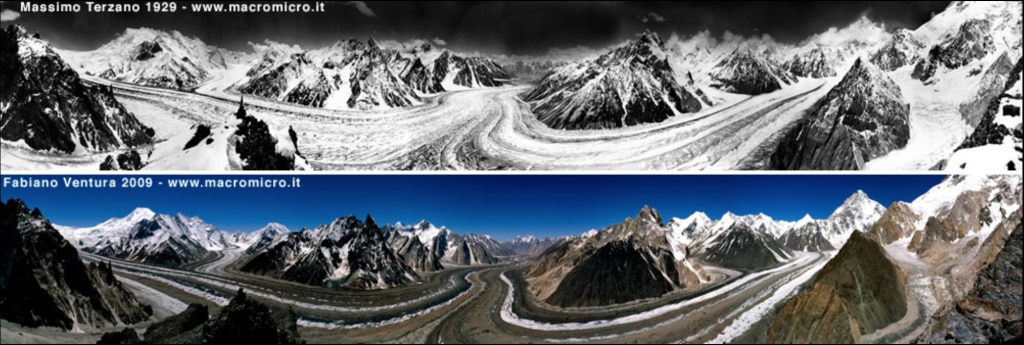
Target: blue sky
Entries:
(502, 206)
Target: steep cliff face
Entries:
(47, 106)
(991, 312)
(997, 142)
(43, 282)
(862, 118)
(902, 50)
(897, 222)
(857, 292)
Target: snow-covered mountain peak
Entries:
(728, 217)
(524, 239)
(273, 228)
(153, 57)
(858, 203)
(858, 212)
(803, 221)
(1004, 16)
(139, 214)
(646, 49)
(945, 193)
(694, 217)
(424, 230)
(690, 227)
(31, 45)
(865, 75)
(863, 31)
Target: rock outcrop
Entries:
(991, 312)
(48, 107)
(43, 281)
(857, 292)
(862, 118)
(244, 320)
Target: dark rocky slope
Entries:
(862, 118)
(43, 281)
(857, 292)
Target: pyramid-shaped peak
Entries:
(649, 213)
(650, 37)
(858, 195)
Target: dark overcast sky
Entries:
(494, 27)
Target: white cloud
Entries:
(863, 30)
(268, 45)
(9, 15)
(653, 17)
(361, 6)
(439, 41)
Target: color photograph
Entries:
(514, 259)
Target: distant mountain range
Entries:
(179, 240)
(880, 83)
(955, 244)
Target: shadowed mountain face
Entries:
(43, 282)
(636, 259)
(630, 85)
(806, 238)
(739, 246)
(857, 292)
(47, 105)
(597, 282)
(862, 118)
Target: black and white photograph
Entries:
(474, 86)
